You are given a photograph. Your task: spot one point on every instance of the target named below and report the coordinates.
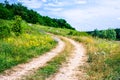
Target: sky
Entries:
(84, 15)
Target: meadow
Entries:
(20, 49)
(103, 58)
(103, 55)
(60, 31)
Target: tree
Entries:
(117, 33)
(108, 34)
(111, 34)
(96, 33)
(103, 34)
(8, 11)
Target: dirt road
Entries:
(68, 71)
(16, 73)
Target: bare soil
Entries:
(70, 70)
(18, 72)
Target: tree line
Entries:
(8, 11)
(111, 34)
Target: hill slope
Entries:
(30, 16)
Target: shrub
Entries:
(4, 31)
(17, 29)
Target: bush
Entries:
(4, 31)
(108, 34)
(17, 29)
(111, 34)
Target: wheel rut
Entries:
(17, 72)
(70, 69)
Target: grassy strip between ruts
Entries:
(52, 66)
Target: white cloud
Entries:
(118, 18)
(95, 17)
(44, 0)
(53, 9)
(59, 4)
(93, 13)
(32, 3)
(81, 1)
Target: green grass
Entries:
(103, 58)
(103, 55)
(53, 65)
(61, 31)
(20, 49)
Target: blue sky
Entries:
(84, 15)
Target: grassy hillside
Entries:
(103, 55)
(19, 49)
(30, 15)
(61, 31)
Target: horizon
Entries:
(83, 15)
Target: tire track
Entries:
(18, 72)
(70, 69)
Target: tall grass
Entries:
(104, 58)
(20, 49)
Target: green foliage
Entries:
(77, 33)
(118, 33)
(96, 32)
(108, 34)
(60, 31)
(111, 34)
(17, 29)
(15, 50)
(7, 11)
(4, 31)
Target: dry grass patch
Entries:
(103, 58)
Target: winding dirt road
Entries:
(16, 73)
(68, 71)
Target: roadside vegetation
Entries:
(20, 42)
(103, 54)
(53, 66)
(103, 58)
